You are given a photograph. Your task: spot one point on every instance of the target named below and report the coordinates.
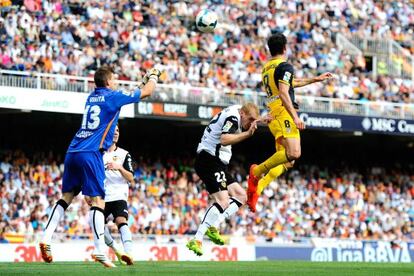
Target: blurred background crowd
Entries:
(168, 198)
(75, 37)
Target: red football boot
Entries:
(252, 195)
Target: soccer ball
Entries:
(206, 21)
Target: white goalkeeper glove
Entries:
(153, 74)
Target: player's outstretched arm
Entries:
(153, 78)
(231, 139)
(124, 98)
(299, 82)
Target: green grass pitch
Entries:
(209, 268)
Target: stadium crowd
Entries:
(75, 37)
(169, 199)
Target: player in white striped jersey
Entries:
(118, 177)
(232, 125)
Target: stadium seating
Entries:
(69, 37)
(169, 199)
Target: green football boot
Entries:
(195, 246)
(214, 235)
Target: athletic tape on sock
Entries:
(218, 206)
(235, 200)
(63, 203)
(122, 224)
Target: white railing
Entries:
(203, 95)
(345, 45)
(370, 45)
(403, 60)
(389, 57)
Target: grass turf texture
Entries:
(209, 268)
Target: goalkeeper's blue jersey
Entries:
(100, 118)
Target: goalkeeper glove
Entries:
(151, 74)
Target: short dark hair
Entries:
(277, 44)
(102, 75)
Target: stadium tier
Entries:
(169, 199)
(75, 38)
(332, 194)
(222, 130)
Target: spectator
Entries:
(169, 199)
(2, 239)
(75, 37)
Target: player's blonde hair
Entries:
(251, 109)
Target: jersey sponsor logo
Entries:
(84, 134)
(271, 99)
(287, 76)
(227, 126)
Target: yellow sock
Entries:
(269, 177)
(276, 159)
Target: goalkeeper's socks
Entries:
(56, 214)
(269, 177)
(210, 219)
(126, 237)
(97, 223)
(234, 206)
(276, 159)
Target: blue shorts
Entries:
(84, 171)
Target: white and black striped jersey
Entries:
(227, 121)
(116, 186)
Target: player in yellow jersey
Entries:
(279, 83)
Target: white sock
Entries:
(210, 219)
(109, 241)
(55, 215)
(126, 237)
(97, 223)
(234, 206)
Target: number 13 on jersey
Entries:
(91, 118)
